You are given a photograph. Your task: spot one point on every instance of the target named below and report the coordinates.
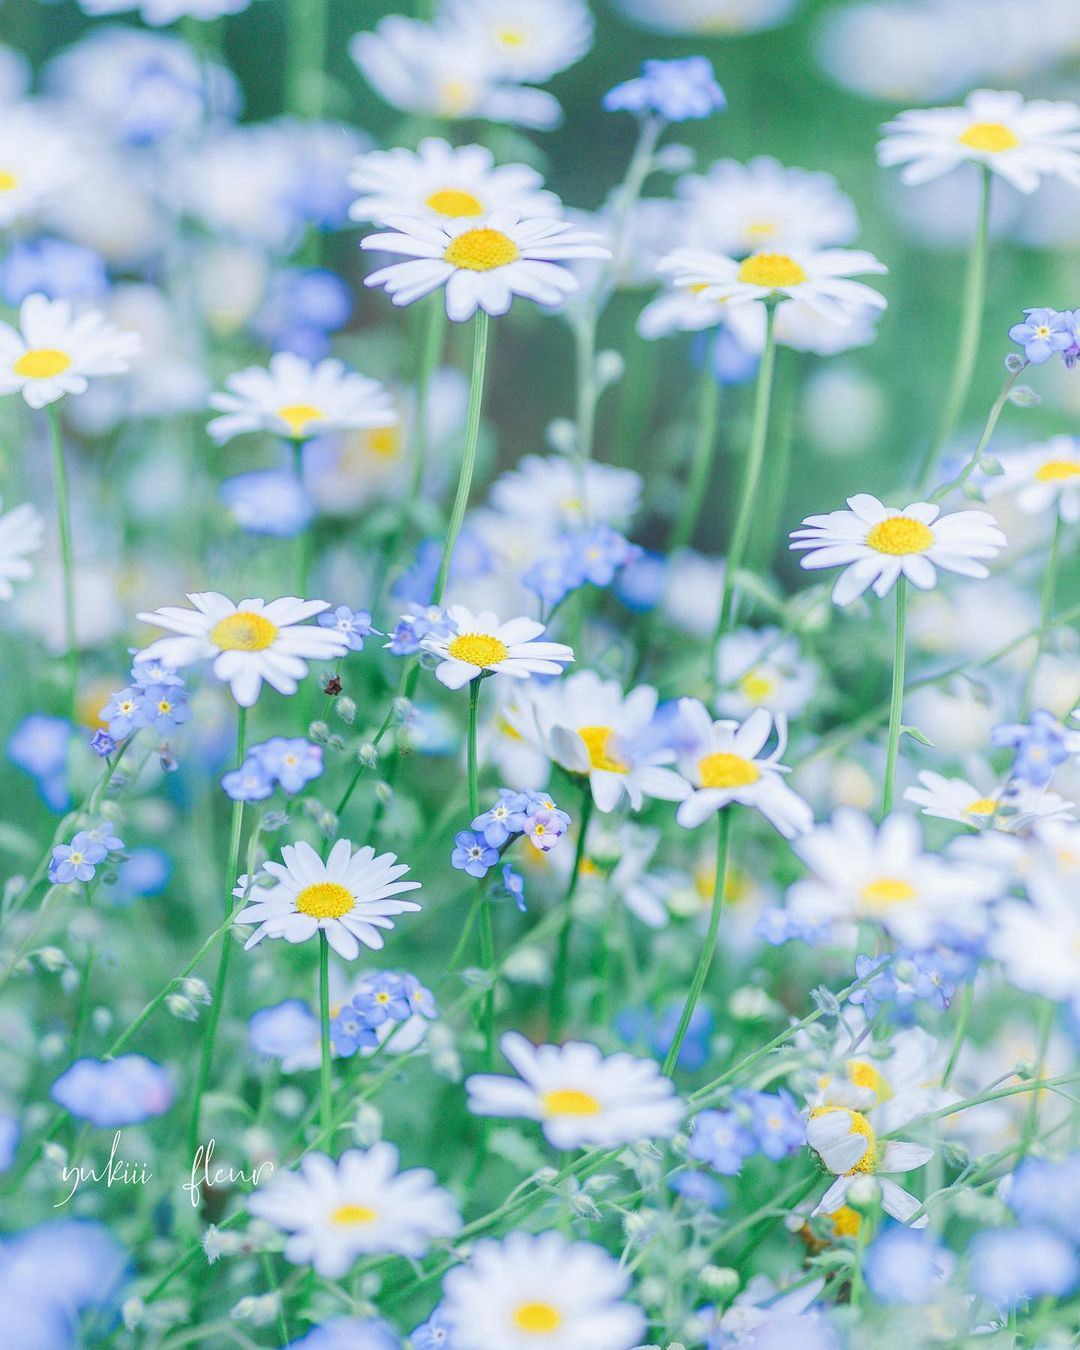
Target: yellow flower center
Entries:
(346, 1216)
(990, 136)
(385, 442)
(508, 36)
(1043, 330)
(325, 900)
(857, 1124)
(772, 270)
(298, 417)
(478, 649)
(886, 891)
(900, 535)
(597, 741)
(456, 97)
(725, 770)
(164, 705)
(981, 806)
(42, 363)
(243, 632)
(1057, 470)
(569, 1102)
(762, 229)
(537, 1317)
(845, 1222)
(454, 202)
(863, 1074)
(8, 180)
(481, 250)
(757, 687)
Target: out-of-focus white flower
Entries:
(22, 531)
(38, 160)
(707, 17)
(1042, 477)
(762, 668)
(523, 40)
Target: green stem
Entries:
(487, 936)
(984, 440)
(705, 958)
(967, 343)
(206, 1055)
(305, 55)
(585, 358)
(326, 1092)
(1049, 586)
(755, 458)
(63, 516)
(561, 974)
(468, 462)
(701, 465)
(961, 1031)
(896, 703)
(1031, 1117)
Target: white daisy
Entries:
(722, 763)
(1042, 477)
(481, 644)
(820, 280)
(686, 308)
(875, 544)
(483, 263)
(708, 18)
(742, 208)
(358, 1205)
(590, 727)
(895, 1086)
(882, 875)
(762, 668)
(846, 1142)
(558, 493)
(1038, 943)
(540, 1291)
(249, 642)
(22, 531)
(348, 897)
(52, 353)
(582, 1098)
(524, 41)
(1019, 140)
(1010, 807)
(297, 400)
(440, 182)
(37, 161)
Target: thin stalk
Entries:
(468, 462)
(487, 936)
(1031, 1116)
(63, 518)
(1049, 586)
(326, 1091)
(560, 977)
(896, 703)
(973, 463)
(723, 840)
(963, 1017)
(755, 458)
(303, 543)
(305, 56)
(701, 465)
(967, 343)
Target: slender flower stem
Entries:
(63, 516)
(755, 458)
(214, 1015)
(326, 1091)
(305, 56)
(701, 465)
(1031, 1117)
(487, 937)
(973, 463)
(560, 977)
(1049, 586)
(967, 344)
(961, 1031)
(896, 703)
(701, 971)
(468, 462)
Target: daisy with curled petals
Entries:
(297, 400)
(357, 1205)
(248, 643)
(479, 644)
(820, 280)
(722, 762)
(349, 897)
(1011, 807)
(846, 1141)
(439, 182)
(876, 544)
(21, 532)
(53, 352)
(482, 262)
(1018, 140)
(540, 1291)
(581, 1098)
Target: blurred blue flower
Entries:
(268, 501)
(777, 1123)
(434, 1334)
(906, 1265)
(1040, 745)
(1010, 1265)
(700, 1189)
(249, 783)
(677, 90)
(283, 1029)
(54, 267)
(302, 307)
(348, 1333)
(640, 584)
(514, 885)
(419, 999)
(39, 744)
(1048, 1193)
(722, 1140)
(146, 872)
(111, 1092)
(9, 1141)
(414, 625)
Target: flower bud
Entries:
(864, 1195)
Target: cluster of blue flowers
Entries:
(530, 814)
(656, 1031)
(593, 555)
(79, 860)
(417, 623)
(155, 699)
(114, 1092)
(678, 91)
(282, 761)
(1041, 745)
(769, 1123)
(898, 983)
(1049, 332)
(302, 308)
(384, 998)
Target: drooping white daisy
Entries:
(743, 208)
(882, 875)
(722, 762)
(52, 353)
(37, 160)
(249, 642)
(1019, 140)
(875, 544)
(590, 727)
(762, 668)
(349, 897)
(820, 280)
(1038, 941)
(483, 263)
(686, 308)
(896, 1086)
(524, 41)
(1042, 477)
(358, 1205)
(1009, 807)
(22, 531)
(298, 400)
(582, 1098)
(540, 1291)
(846, 1142)
(480, 644)
(440, 182)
